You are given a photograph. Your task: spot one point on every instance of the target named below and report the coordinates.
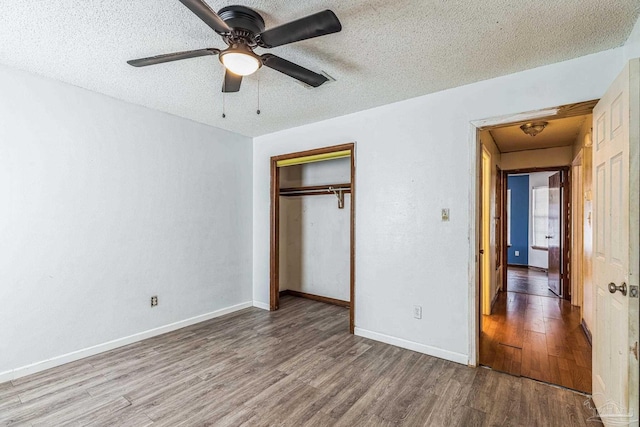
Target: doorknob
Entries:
(622, 288)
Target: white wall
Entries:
(314, 233)
(104, 204)
(314, 245)
(543, 158)
(632, 45)
(412, 159)
(537, 257)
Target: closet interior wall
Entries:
(314, 232)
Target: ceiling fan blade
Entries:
(231, 82)
(293, 70)
(142, 62)
(204, 12)
(318, 24)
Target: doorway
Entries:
(609, 224)
(341, 195)
(538, 242)
(531, 328)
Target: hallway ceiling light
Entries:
(533, 128)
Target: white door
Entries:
(615, 251)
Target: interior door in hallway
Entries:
(554, 234)
(616, 124)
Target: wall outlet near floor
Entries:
(154, 301)
(417, 311)
(517, 253)
(445, 214)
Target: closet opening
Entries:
(312, 252)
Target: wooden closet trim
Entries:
(315, 151)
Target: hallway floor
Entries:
(537, 337)
(527, 281)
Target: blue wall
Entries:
(519, 186)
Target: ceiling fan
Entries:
(243, 29)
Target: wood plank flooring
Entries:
(527, 281)
(537, 337)
(298, 366)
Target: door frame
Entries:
(484, 275)
(475, 226)
(577, 231)
(501, 225)
(274, 251)
(566, 222)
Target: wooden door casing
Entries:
(499, 218)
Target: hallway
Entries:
(537, 337)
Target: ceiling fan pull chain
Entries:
(258, 111)
(223, 114)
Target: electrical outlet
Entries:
(445, 214)
(154, 301)
(517, 253)
(417, 311)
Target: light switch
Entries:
(417, 312)
(445, 214)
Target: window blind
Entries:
(540, 224)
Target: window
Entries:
(509, 217)
(540, 204)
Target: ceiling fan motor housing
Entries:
(245, 22)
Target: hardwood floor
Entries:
(537, 337)
(527, 281)
(297, 366)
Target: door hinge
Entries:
(634, 350)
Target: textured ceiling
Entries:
(558, 133)
(388, 51)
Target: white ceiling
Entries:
(388, 51)
(558, 133)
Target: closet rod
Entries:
(315, 190)
(324, 190)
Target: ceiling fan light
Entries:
(240, 63)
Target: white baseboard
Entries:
(261, 305)
(411, 345)
(110, 345)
